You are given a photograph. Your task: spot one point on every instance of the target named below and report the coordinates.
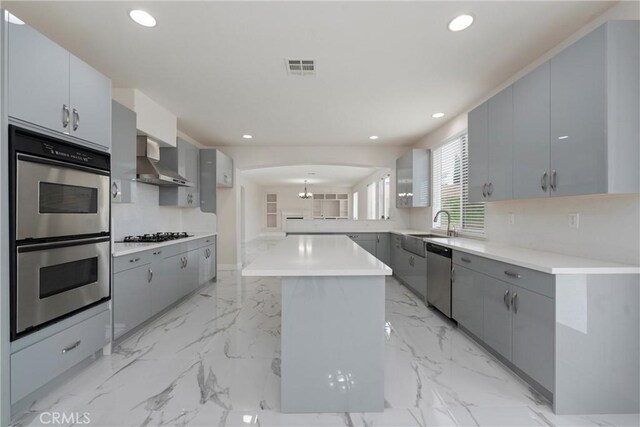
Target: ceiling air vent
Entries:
(301, 67)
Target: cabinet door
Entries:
(467, 299)
(163, 284)
(478, 152)
(38, 79)
(403, 180)
(192, 173)
(207, 181)
(533, 335)
(90, 99)
(396, 254)
(123, 153)
(190, 275)
(172, 269)
(224, 170)
(497, 315)
(131, 299)
(500, 109)
(367, 245)
(417, 275)
(531, 134)
(383, 248)
(578, 117)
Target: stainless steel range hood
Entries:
(149, 168)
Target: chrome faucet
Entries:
(450, 233)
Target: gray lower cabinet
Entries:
(207, 264)
(35, 365)
(131, 298)
(123, 153)
(396, 253)
(466, 300)
(512, 319)
(497, 315)
(411, 270)
(366, 240)
(533, 331)
(383, 247)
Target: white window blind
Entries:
(451, 186)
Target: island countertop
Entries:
(317, 255)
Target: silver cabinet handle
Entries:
(65, 115)
(71, 347)
(134, 260)
(114, 190)
(464, 259)
(484, 190)
(186, 262)
(554, 180)
(543, 182)
(514, 302)
(505, 298)
(512, 274)
(150, 275)
(377, 239)
(453, 275)
(76, 119)
(157, 252)
(490, 189)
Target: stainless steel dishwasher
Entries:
(439, 278)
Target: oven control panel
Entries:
(66, 154)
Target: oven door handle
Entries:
(64, 244)
(51, 162)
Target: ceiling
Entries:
(382, 67)
(316, 175)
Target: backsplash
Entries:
(145, 216)
(609, 225)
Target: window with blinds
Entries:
(450, 171)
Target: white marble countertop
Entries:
(120, 249)
(547, 262)
(317, 255)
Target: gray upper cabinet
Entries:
(499, 186)
(531, 134)
(413, 178)
(50, 88)
(208, 184)
(573, 123)
(185, 158)
(224, 170)
(90, 102)
(38, 90)
(478, 152)
(490, 149)
(123, 154)
(594, 112)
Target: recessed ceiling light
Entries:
(143, 18)
(12, 19)
(460, 22)
(437, 115)
(373, 137)
(247, 136)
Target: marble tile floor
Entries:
(214, 360)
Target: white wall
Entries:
(609, 224)
(254, 209)
(146, 216)
(250, 157)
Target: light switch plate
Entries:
(574, 220)
(512, 218)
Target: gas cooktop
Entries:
(155, 237)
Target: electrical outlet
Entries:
(512, 218)
(574, 220)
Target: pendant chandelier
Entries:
(306, 194)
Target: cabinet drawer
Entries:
(201, 243)
(526, 278)
(127, 262)
(36, 365)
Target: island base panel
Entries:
(333, 344)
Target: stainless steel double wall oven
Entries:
(60, 229)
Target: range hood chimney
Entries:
(149, 168)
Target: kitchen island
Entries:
(333, 296)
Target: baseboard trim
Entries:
(227, 267)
